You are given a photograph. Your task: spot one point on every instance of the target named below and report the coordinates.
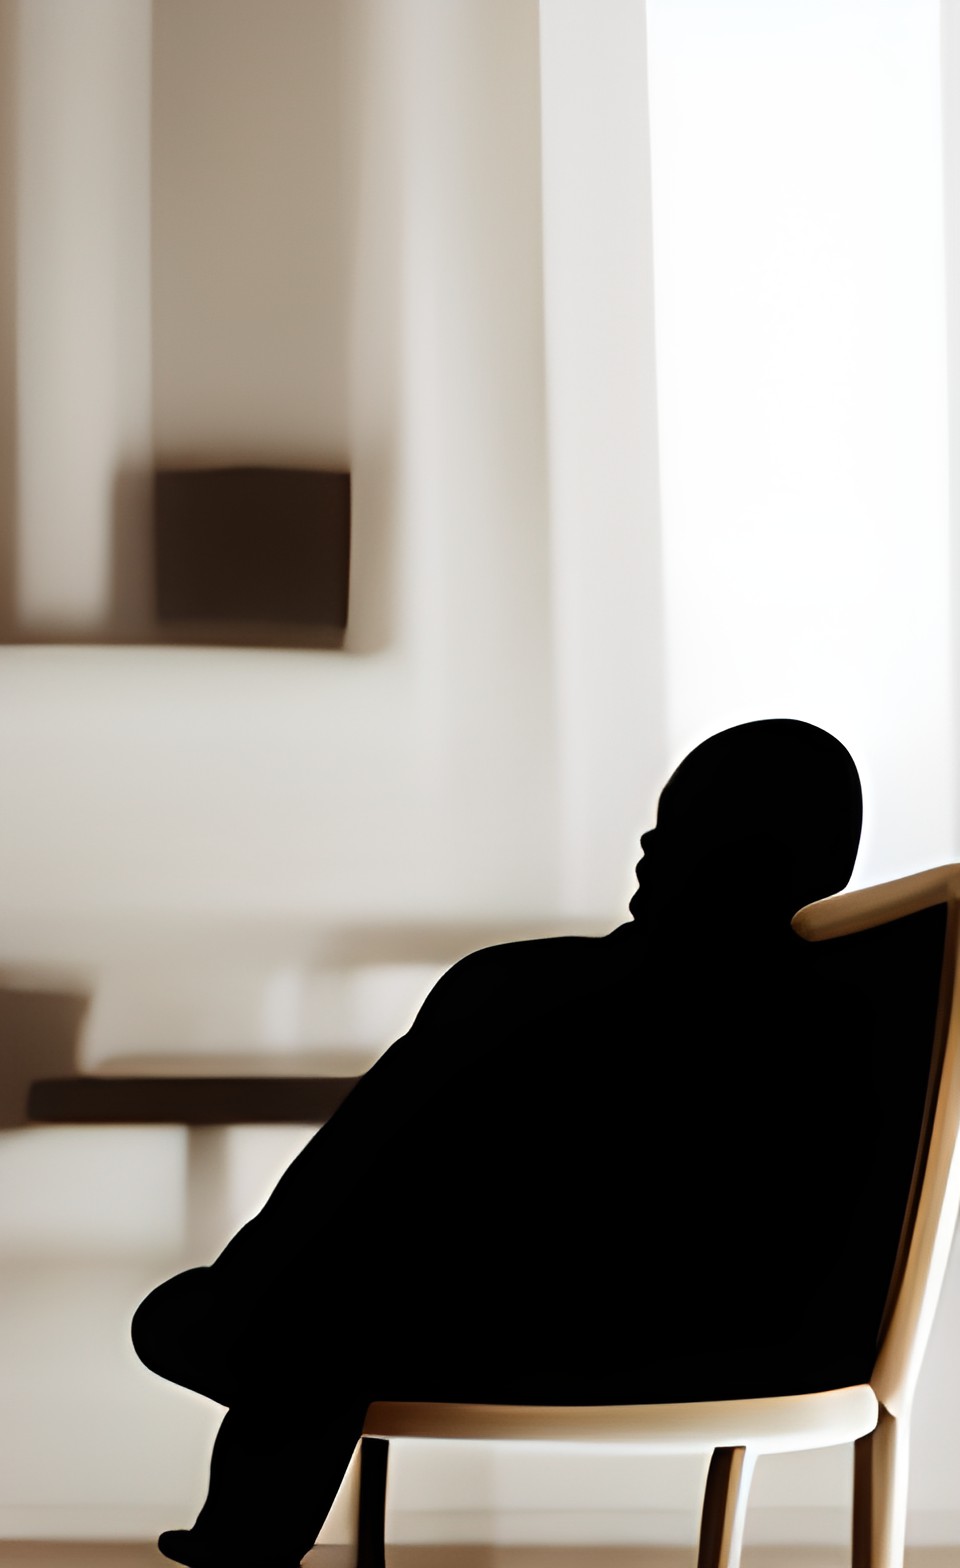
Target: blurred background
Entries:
(637, 328)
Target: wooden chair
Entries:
(874, 1415)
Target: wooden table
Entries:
(191, 1102)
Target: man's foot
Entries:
(184, 1546)
(181, 1547)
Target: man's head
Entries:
(768, 812)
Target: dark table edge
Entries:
(191, 1102)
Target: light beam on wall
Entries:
(799, 281)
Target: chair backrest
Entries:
(934, 1200)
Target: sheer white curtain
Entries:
(745, 298)
(798, 240)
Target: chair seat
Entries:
(784, 1424)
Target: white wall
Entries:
(192, 794)
(218, 843)
(213, 784)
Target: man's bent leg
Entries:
(274, 1473)
(185, 1332)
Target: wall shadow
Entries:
(371, 213)
(950, 124)
(131, 618)
(367, 258)
(8, 316)
(39, 1038)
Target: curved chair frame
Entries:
(875, 1415)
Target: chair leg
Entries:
(374, 1452)
(724, 1508)
(880, 1471)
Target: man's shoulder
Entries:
(531, 955)
(538, 969)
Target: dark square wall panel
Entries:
(252, 555)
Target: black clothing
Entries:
(660, 1165)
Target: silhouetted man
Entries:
(583, 1176)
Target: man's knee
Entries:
(178, 1331)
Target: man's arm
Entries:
(322, 1180)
